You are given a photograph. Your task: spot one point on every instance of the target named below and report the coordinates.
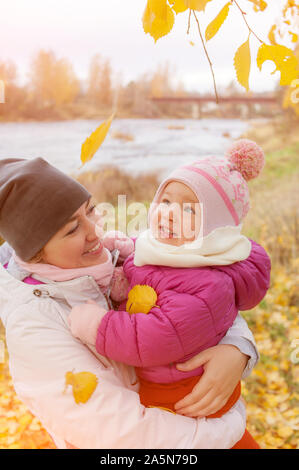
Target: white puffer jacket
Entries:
(41, 351)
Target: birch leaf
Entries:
(284, 59)
(83, 383)
(294, 36)
(158, 18)
(95, 140)
(271, 35)
(141, 299)
(216, 24)
(178, 6)
(259, 5)
(198, 5)
(242, 62)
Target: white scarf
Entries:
(222, 246)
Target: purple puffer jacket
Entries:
(197, 306)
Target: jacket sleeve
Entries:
(240, 335)
(178, 328)
(113, 417)
(251, 277)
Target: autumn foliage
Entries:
(159, 20)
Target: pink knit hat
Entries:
(220, 183)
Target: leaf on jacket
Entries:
(95, 140)
(141, 299)
(83, 383)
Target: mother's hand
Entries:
(223, 368)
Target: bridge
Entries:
(197, 100)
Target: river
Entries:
(156, 145)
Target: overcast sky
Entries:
(78, 29)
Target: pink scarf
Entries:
(102, 273)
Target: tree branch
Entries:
(207, 55)
(189, 21)
(243, 14)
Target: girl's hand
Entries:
(118, 240)
(223, 368)
(119, 285)
(84, 321)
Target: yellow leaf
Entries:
(83, 383)
(271, 35)
(215, 25)
(158, 18)
(285, 432)
(191, 43)
(242, 62)
(161, 408)
(259, 5)
(24, 421)
(141, 299)
(95, 140)
(294, 36)
(284, 59)
(178, 6)
(198, 5)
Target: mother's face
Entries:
(78, 243)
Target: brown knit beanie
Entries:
(36, 200)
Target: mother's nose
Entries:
(93, 230)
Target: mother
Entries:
(46, 216)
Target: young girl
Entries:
(193, 257)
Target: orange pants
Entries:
(166, 395)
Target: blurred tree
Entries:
(14, 96)
(291, 94)
(99, 90)
(53, 81)
(161, 81)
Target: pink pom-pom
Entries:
(246, 157)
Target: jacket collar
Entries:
(14, 291)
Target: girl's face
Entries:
(78, 243)
(176, 219)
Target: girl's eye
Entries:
(165, 201)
